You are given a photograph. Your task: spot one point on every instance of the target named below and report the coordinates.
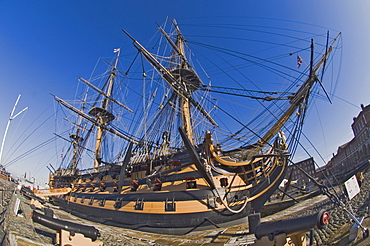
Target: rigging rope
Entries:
(243, 55)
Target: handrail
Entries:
(222, 161)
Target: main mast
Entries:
(102, 114)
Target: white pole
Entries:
(7, 126)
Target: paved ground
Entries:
(22, 231)
(342, 236)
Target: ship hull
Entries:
(172, 224)
(175, 213)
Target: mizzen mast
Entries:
(100, 116)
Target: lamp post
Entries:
(12, 116)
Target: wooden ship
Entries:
(176, 169)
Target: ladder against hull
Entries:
(52, 192)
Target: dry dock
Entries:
(21, 230)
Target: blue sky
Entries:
(45, 45)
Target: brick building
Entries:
(308, 165)
(357, 151)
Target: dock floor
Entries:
(23, 231)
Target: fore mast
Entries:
(185, 76)
(180, 76)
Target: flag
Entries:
(116, 50)
(299, 61)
